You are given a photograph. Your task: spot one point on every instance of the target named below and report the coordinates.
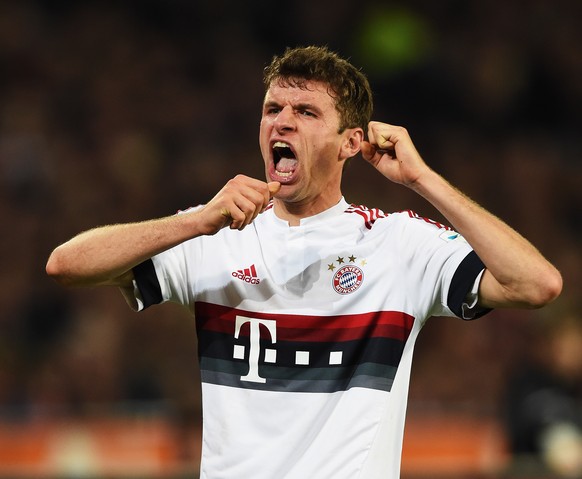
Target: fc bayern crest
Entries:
(347, 279)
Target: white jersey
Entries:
(306, 335)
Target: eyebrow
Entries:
(270, 103)
(307, 106)
(298, 106)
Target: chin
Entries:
(287, 193)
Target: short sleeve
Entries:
(147, 288)
(463, 298)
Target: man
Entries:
(307, 307)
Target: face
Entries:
(301, 146)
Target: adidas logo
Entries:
(248, 275)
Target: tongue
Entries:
(286, 165)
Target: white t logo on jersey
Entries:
(255, 345)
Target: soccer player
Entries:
(307, 307)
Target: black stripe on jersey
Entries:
(371, 363)
(462, 283)
(380, 377)
(375, 350)
(147, 283)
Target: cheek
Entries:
(262, 128)
(263, 138)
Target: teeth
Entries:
(284, 160)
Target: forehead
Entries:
(310, 92)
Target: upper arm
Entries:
(533, 291)
(492, 294)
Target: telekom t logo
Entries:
(255, 345)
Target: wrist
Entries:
(426, 183)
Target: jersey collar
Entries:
(332, 212)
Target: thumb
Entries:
(274, 187)
(368, 150)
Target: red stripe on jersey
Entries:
(387, 324)
(416, 216)
(269, 206)
(338, 335)
(370, 215)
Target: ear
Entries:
(352, 144)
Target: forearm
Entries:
(107, 254)
(517, 274)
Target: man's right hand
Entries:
(237, 204)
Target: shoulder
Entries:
(368, 216)
(371, 215)
(422, 221)
(406, 224)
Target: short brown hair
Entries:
(349, 86)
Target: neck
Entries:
(294, 212)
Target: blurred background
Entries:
(123, 111)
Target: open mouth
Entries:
(284, 159)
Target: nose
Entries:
(285, 120)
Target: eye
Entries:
(307, 113)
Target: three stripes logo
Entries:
(248, 275)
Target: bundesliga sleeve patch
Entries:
(449, 235)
